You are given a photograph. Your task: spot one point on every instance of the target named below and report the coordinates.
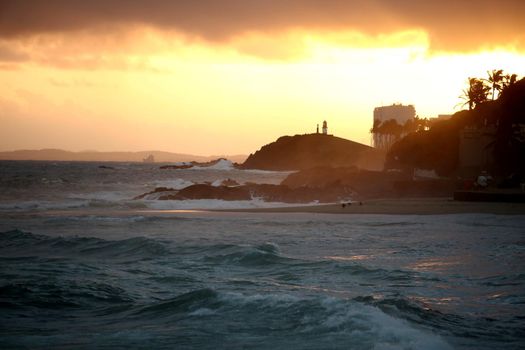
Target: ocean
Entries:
(84, 266)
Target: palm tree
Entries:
(414, 125)
(508, 80)
(495, 79)
(386, 132)
(392, 127)
(476, 94)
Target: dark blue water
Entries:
(127, 278)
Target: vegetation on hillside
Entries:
(481, 90)
(393, 128)
(497, 101)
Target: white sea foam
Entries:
(394, 333)
(365, 324)
(110, 196)
(76, 201)
(204, 204)
(217, 183)
(369, 322)
(202, 312)
(112, 219)
(225, 182)
(123, 200)
(222, 164)
(177, 184)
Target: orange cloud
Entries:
(450, 24)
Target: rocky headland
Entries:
(302, 152)
(328, 169)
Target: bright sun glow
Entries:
(156, 91)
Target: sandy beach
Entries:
(405, 206)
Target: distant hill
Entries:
(61, 155)
(312, 150)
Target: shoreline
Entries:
(398, 206)
(386, 206)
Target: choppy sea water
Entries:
(125, 277)
(37, 185)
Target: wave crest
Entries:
(20, 243)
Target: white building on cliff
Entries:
(382, 138)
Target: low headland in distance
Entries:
(97, 156)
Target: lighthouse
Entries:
(325, 128)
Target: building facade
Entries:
(400, 113)
(382, 139)
(476, 151)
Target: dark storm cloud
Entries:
(451, 24)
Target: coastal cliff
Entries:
(312, 150)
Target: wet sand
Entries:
(408, 206)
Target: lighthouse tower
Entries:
(325, 128)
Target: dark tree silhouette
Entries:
(508, 80)
(391, 127)
(509, 143)
(431, 149)
(416, 124)
(436, 145)
(476, 93)
(495, 79)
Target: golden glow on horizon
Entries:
(151, 90)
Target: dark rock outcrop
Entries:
(268, 193)
(369, 184)
(154, 194)
(202, 191)
(303, 194)
(307, 151)
(176, 167)
(187, 165)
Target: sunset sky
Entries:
(226, 77)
